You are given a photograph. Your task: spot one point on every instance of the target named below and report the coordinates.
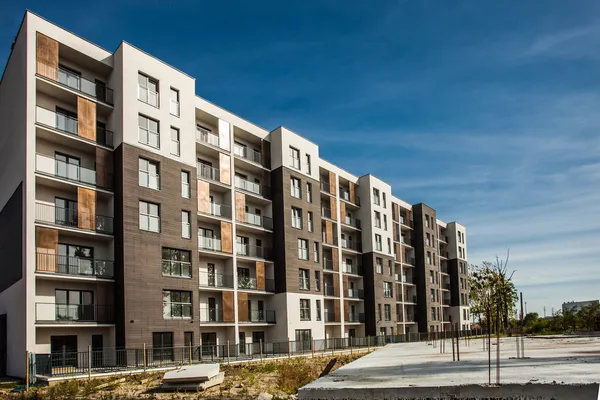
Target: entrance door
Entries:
(63, 351)
(242, 340)
(97, 353)
(65, 212)
(211, 274)
(257, 338)
(209, 343)
(212, 309)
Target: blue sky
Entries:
(487, 111)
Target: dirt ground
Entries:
(281, 378)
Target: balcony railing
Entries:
(219, 210)
(352, 269)
(345, 195)
(351, 221)
(68, 124)
(211, 315)
(208, 172)
(215, 280)
(71, 172)
(410, 261)
(327, 264)
(329, 290)
(325, 187)
(446, 301)
(204, 136)
(69, 265)
(326, 212)
(404, 222)
(247, 154)
(85, 86)
(356, 317)
(333, 242)
(252, 284)
(247, 250)
(259, 220)
(209, 243)
(261, 316)
(72, 218)
(329, 317)
(356, 294)
(73, 313)
(351, 245)
(252, 187)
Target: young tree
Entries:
(587, 316)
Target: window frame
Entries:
(296, 217)
(180, 255)
(148, 215)
(176, 101)
(148, 90)
(186, 188)
(176, 303)
(147, 173)
(149, 133)
(295, 190)
(176, 141)
(186, 215)
(305, 310)
(295, 160)
(303, 250)
(303, 277)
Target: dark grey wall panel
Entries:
(11, 240)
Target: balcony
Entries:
(208, 172)
(247, 154)
(261, 316)
(356, 294)
(403, 221)
(50, 313)
(410, 261)
(211, 315)
(356, 317)
(351, 222)
(252, 284)
(67, 124)
(209, 243)
(74, 266)
(258, 220)
(329, 290)
(254, 188)
(345, 195)
(247, 250)
(60, 169)
(85, 86)
(215, 280)
(325, 187)
(446, 301)
(219, 210)
(351, 245)
(326, 212)
(72, 218)
(204, 136)
(352, 269)
(327, 264)
(330, 317)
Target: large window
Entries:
(175, 145)
(186, 226)
(296, 190)
(148, 174)
(149, 217)
(296, 218)
(174, 106)
(148, 132)
(304, 310)
(377, 219)
(185, 185)
(295, 158)
(384, 201)
(147, 90)
(378, 265)
(177, 304)
(387, 290)
(388, 312)
(176, 262)
(318, 309)
(376, 200)
(378, 244)
(304, 279)
(429, 257)
(303, 249)
(162, 346)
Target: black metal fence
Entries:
(68, 363)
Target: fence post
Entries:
(190, 354)
(313, 348)
(260, 348)
(228, 352)
(289, 355)
(350, 342)
(26, 370)
(368, 343)
(89, 361)
(144, 357)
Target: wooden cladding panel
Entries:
(397, 250)
(352, 190)
(86, 118)
(332, 184)
(226, 237)
(203, 197)
(333, 207)
(243, 307)
(225, 168)
(329, 232)
(395, 230)
(395, 212)
(336, 310)
(46, 57)
(240, 207)
(345, 285)
(336, 286)
(86, 208)
(342, 211)
(335, 260)
(266, 153)
(260, 275)
(346, 310)
(46, 247)
(104, 168)
(407, 222)
(228, 315)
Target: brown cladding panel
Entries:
(228, 315)
(104, 168)
(346, 310)
(345, 285)
(336, 311)
(333, 206)
(86, 118)
(396, 212)
(203, 197)
(336, 286)
(46, 247)
(329, 232)
(351, 189)
(398, 251)
(86, 208)
(266, 154)
(47, 57)
(342, 211)
(225, 168)
(226, 237)
(240, 207)
(243, 307)
(332, 184)
(260, 275)
(334, 260)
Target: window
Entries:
(385, 222)
(376, 196)
(303, 249)
(433, 318)
(430, 276)
(148, 131)
(174, 106)
(318, 310)
(388, 312)
(384, 201)
(458, 237)
(427, 221)
(147, 90)
(304, 279)
(390, 268)
(316, 251)
(149, 217)
(389, 242)
(186, 226)
(432, 294)
(464, 314)
(303, 339)
(296, 218)
(379, 265)
(148, 174)
(428, 239)
(176, 262)
(185, 185)
(295, 188)
(377, 219)
(387, 290)
(309, 192)
(307, 162)
(309, 217)
(295, 156)
(162, 346)
(317, 281)
(378, 245)
(304, 310)
(175, 146)
(177, 304)
(378, 312)
(429, 257)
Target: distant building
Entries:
(575, 306)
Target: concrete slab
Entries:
(406, 369)
(198, 386)
(192, 373)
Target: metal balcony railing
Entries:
(85, 86)
(247, 154)
(351, 221)
(50, 214)
(410, 261)
(330, 317)
(219, 210)
(351, 245)
(208, 172)
(356, 294)
(356, 317)
(261, 316)
(210, 315)
(326, 212)
(73, 313)
(70, 265)
(209, 243)
(259, 220)
(345, 195)
(204, 136)
(252, 187)
(352, 269)
(247, 250)
(325, 187)
(327, 264)
(71, 172)
(215, 280)
(329, 290)
(333, 242)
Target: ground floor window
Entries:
(303, 339)
(162, 346)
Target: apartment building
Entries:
(133, 212)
